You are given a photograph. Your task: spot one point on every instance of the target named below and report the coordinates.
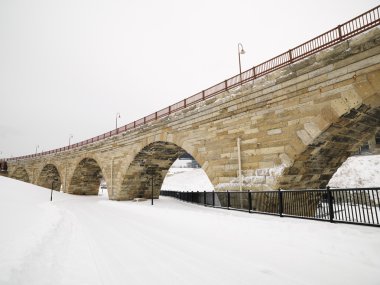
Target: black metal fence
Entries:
(354, 205)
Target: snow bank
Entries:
(358, 171)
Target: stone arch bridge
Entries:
(291, 128)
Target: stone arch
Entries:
(151, 162)
(21, 174)
(315, 166)
(86, 178)
(50, 177)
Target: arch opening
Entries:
(148, 170)
(86, 179)
(186, 174)
(21, 174)
(3, 167)
(50, 178)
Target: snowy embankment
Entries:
(91, 240)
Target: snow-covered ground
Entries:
(91, 240)
(187, 179)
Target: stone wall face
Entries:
(296, 127)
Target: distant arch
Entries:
(152, 162)
(21, 174)
(50, 177)
(86, 178)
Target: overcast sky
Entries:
(67, 67)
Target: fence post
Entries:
(204, 198)
(340, 32)
(213, 199)
(228, 200)
(330, 201)
(280, 203)
(290, 55)
(249, 201)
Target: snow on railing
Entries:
(341, 33)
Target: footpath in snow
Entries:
(91, 240)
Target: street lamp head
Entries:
(70, 137)
(241, 49)
(117, 116)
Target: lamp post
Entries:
(151, 171)
(240, 51)
(152, 188)
(70, 137)
(117, 116)
(37, 148)
(52, 187)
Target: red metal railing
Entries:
(341, 33)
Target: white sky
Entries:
(67, 67)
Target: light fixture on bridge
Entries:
(70, 137)
(240, 51)
(117, 116)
